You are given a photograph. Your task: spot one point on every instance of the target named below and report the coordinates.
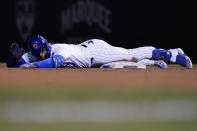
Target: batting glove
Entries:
(16, 50)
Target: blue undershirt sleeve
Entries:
(53, 62)
(47, 63)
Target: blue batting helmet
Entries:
(37, 43)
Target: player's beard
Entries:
(42, 54)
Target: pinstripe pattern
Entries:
(102, 52)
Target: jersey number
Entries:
(87, 43)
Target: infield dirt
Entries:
(177, 77)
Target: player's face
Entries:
(42, 54)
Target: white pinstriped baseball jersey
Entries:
(97, 52)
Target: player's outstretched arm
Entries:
(53, 62)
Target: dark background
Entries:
(163, 24)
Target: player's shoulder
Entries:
(60, 46)
(62, 49)
(57, 45)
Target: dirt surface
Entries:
(95, 77)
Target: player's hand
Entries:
(16, 50)
(27, 65)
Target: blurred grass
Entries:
(40, 93)
(83, 93)
(2, 64)
(150, 126)
(61, 94)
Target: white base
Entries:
(123, 64)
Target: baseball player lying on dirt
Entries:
(90, 53)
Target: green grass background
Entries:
(60, 94)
